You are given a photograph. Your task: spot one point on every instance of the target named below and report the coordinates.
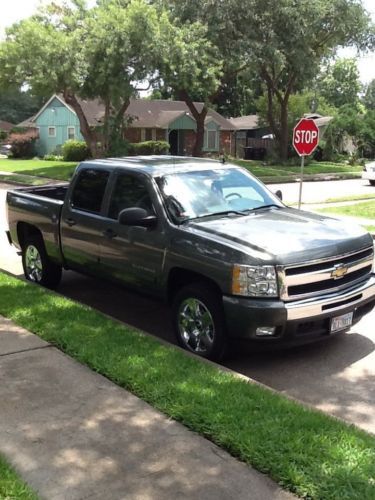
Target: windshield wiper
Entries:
(215, 214)
(265, 206)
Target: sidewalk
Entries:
(72, 434)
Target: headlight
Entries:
(254, 281)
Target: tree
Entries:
(339, 83)
(84, 54)
(216, 59)
(191, 66)
(299, 105)
(17, 105)
(369, 97)
(288, 40)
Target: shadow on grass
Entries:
(304, 450)
(60, 172)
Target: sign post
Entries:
(305, 141)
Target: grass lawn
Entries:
(312, 168)
(364, 209)
(51, 169)
(351, 198)
(307, 452)
(63, 170)
(11, 486)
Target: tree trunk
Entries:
(199, 118)
(284, 137)
(88, 134)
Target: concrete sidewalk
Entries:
(72, 434)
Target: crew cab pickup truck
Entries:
(229, 256)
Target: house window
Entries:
(143, 134)
(153, 135)
(71, 132)
(212, 140)
(148, 134)
(51, 131)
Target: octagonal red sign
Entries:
(305, 136)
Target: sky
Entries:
(14, 10)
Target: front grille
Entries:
(323, 276)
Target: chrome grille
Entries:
(310, 279)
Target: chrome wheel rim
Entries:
(196, 326)
(33, 264)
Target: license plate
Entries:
(341, 322)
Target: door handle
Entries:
(70, 222)
(109, 233)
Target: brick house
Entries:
(164, 120)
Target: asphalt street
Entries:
(336, 375)
(320, 191)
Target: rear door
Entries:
(82, 219)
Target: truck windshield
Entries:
(204, 193)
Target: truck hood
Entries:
(285, 235)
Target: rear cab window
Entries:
(89, 189)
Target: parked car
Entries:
(209, 238)
(369, 172)
(5, 149)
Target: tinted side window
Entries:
(89, 190)
(129, 192)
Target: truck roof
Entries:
(159, 165)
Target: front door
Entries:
(133, 255)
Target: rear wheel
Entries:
(37, 266)
(199, 321)
(372, 182)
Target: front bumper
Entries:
(296, 322)
(368, 175)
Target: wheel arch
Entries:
(179, 277)
(25, 231)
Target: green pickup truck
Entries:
(231, 259)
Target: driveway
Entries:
(337, 376)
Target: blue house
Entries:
(56, 122)
(161, 120)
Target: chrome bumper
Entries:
(334, 302)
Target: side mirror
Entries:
(136, 216)
(279, 194)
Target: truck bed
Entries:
(38, 207)
(56, 192)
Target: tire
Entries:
(37, 266)
(193, 306)
(372, 182)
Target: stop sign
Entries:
(305, 136)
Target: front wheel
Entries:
(37, 266)
(199, 321)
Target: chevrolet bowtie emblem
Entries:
(339, 271)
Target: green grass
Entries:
(307, 452)
(351, 198)
(51, 169)
(287, 170)
(11, 486)
(370, 229)
(363, 209)
(63, 170)
(22, 179)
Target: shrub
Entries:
(119, 147)
(23, 144)
(3, 135)
(75, 150)
(149, 148)
(53, 157)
